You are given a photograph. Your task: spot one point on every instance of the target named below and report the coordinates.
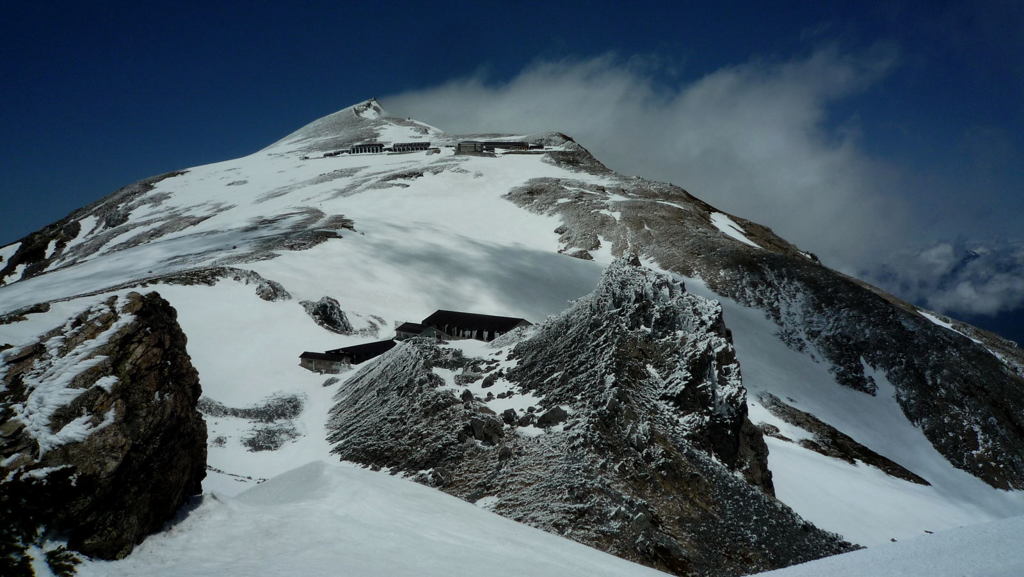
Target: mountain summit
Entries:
(363, 122)
(695, 393)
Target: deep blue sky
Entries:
(96, 95)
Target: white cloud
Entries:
(760, 140)
(957, 277)
(755, 139)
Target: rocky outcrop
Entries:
(101, 440)
(628, 431)
(966, 395)
(266, 289)
(327, 313)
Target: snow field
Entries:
(986, 550)
(338, 519)
(246, 350)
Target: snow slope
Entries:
(336, 519)
(985, 550)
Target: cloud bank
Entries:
(764, 140)
(755, 140)
(957, 277)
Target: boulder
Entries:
(106, 405)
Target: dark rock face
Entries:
(327, 313)
(102, 413)
(646, 453)
(967, 397)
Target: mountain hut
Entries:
(410, 146)
(469, 147)
(367, 148)
(506, 145)
(358, 353)
(459, 325)
(408, 331)
(322, 362)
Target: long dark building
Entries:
(409, 146)
(471, 325)
(364, 352)
(335, 360)
(469, 147)
(321, 362)
(506, 144)
(483, 147)
(366, 148)
(442, 325)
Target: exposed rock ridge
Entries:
(646, 451)
(967, 397)
(100, 439)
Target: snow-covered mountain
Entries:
(715, 384)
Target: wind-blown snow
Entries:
(436, 234)
(337, 519)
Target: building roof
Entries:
(374, 348)
(321, 356)
(473, 321)
(409, 328)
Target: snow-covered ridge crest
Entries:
(359, 123)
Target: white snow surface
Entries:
(729, 228)
(6, 252)
(337, 519)
(985, 550)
